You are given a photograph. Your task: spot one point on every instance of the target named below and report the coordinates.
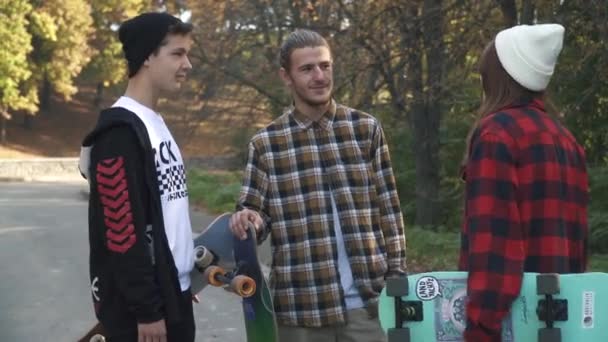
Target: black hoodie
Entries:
(132, 271)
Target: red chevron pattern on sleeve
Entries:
(114, 196)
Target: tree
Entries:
(60, 30)
(413, 63)
(408, 46)
(390, 58)
(15, 44)
(107, 66)
(580, 85)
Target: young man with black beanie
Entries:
(141, 250)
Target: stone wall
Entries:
(39, 169)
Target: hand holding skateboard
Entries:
(241, 220)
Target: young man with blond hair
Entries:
(319, 182)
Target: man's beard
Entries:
(317, 103)
(314, 102)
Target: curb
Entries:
(66, 169)
(12, 179)
(39, 170)
(40, 179)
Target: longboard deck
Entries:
(258, 310)
(217, 239)
(240, 256)
(442, 296)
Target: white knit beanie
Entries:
(529, 53)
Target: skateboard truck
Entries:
(404, 310)
(216, 276)
(550, 310)
(242, 285)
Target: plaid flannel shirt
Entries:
(526, 210)
(294, 166)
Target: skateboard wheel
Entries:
(243, 286)
(399, 335)
(203, 257)
(549, 335)
(212, 273)
(397, 287)
(97, 338)
(547, 284)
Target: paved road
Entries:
(44, 291)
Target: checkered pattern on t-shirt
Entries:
(171, 179)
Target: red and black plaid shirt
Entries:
(525, 210)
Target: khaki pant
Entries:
(359, 327)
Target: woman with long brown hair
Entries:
(526, 180)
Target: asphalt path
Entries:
(44, 287)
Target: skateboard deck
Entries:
(258, 309)
(214, 253)
(549, 308)
(244, 276)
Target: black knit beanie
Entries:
(141, 36)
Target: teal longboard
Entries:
(429, 307)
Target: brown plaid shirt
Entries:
(294, 167)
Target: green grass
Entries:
(427, 250)
(438, 251)
(598, 263)
(215, 192)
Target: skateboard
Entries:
(96, 334)
(214, 252)
(550, 308)
(258, 309)
(216, 249)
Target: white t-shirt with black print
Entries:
(171, 176)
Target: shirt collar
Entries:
(325, 121)
(527, 102)
(139, 109)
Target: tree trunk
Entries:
(365, 99)
(45, 95)
(426, 118)
(425, 186)
(28, 121)
(422, 43)
(509, 12)
(527, 12)
(98, 95)
(2, 129)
